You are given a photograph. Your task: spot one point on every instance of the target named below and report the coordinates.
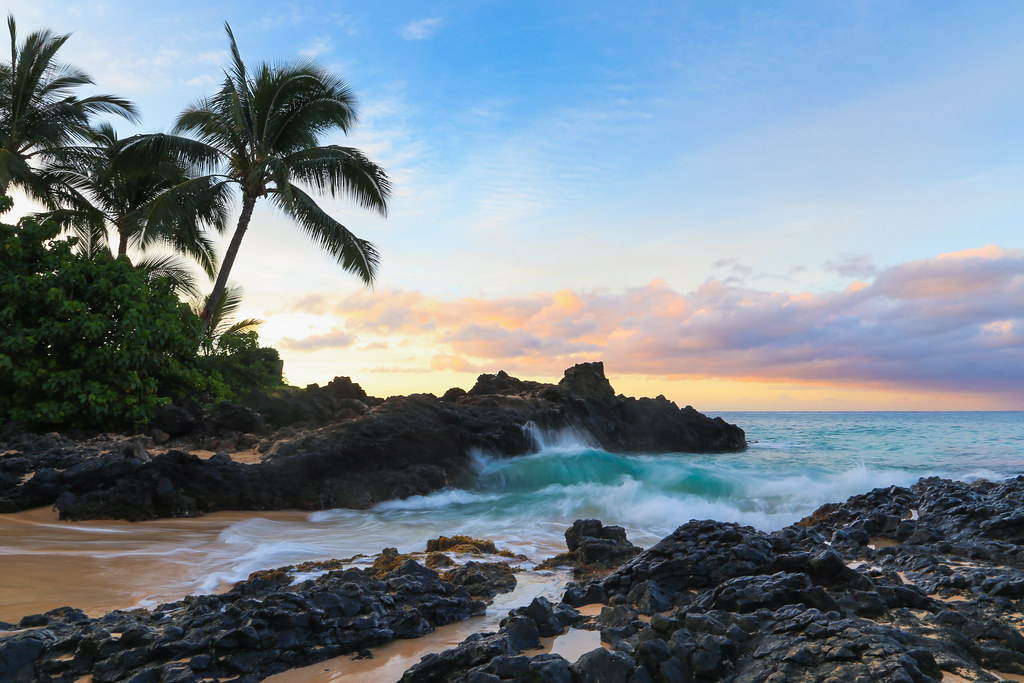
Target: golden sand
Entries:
(90, 565)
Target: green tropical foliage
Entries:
(261, 133)
(40, 115)
(85, 342)
(87, 339)
(231, 350)
(242, 365)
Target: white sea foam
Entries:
(567, 439)
(442, 499)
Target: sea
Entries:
(795, 462)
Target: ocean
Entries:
(796, 461)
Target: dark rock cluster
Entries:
(487, 657)
(593, 548)
(261, 627)
(369, 450)
(898, 585)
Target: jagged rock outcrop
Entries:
(404, 446)
(854, 592)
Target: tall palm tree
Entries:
(261, 133)
(100, 187)
(39, 113)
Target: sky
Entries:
(738, 205)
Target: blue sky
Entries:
(772, 149)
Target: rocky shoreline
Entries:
(921, 584)
(901, 584)
(334, 446)
(924, 583)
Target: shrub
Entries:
(242, 364)
(85, 342)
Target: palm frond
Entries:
(222, 322)
(40, 114)
(172, 267)
(342, 170)
(355, 255)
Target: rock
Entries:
(749, 606)
(228, 417)
(593, 547)
(483, 579)
(587, 381)
(453, 394)
(604, 666)
(577, 595)
(18, 656)
(366, 450)
(174, 420)
(262, 626)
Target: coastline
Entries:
(516, 501)
(325, 448)
(895, 584)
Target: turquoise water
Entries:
(795, 463)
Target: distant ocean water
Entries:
(796, 462)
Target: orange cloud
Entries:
(952, 323)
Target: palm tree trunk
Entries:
(248, 202)
(122, 239)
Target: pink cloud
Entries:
(952, 323)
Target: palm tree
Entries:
(223, 323)
(261, 133)
(39, 113)
(101, 187)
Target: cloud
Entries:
(422, 29)
(316, 48)
(335, 339)
(952, 323)
(200, 81)
(851, 265)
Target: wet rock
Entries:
(577, 595)
(262, 626)
(346, 449)
(483, 579)
(698, 555)
(604, 666)
(551, 620)
(785, 606)
(462, 544)
(593, 547)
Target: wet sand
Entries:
(100, 566)
(103, 565)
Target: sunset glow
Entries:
(737, 205)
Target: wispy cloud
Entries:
(199, 81)
(316, 48)
(335, 339)
(422, 29)
(951, 323)
(851, 265)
